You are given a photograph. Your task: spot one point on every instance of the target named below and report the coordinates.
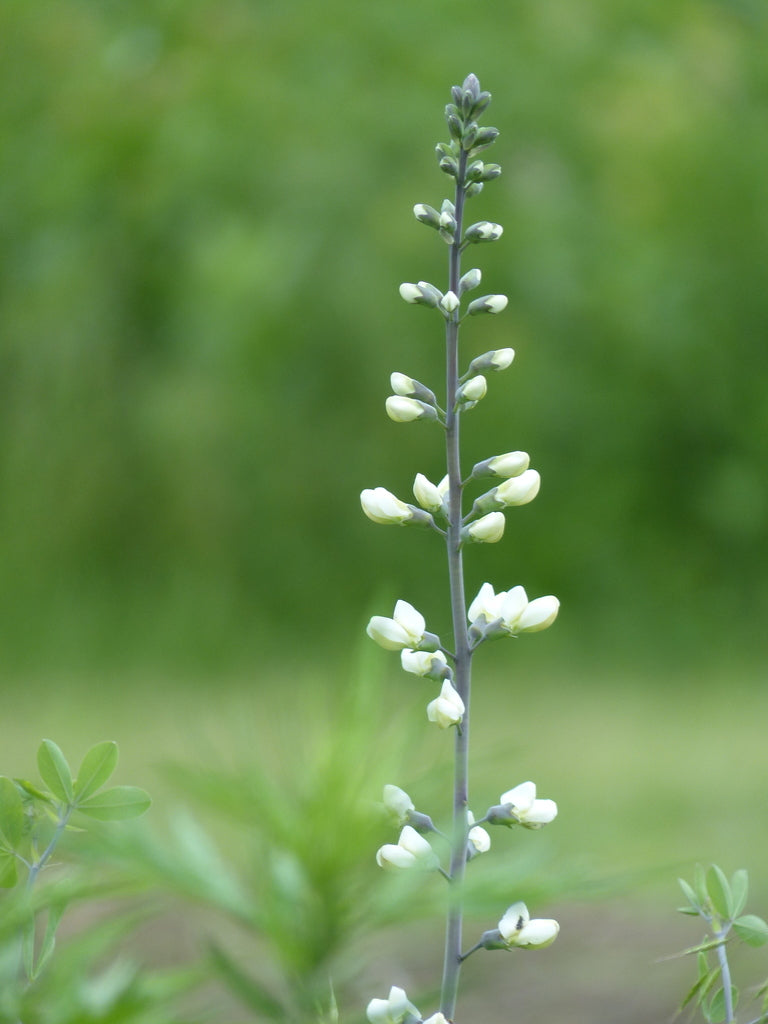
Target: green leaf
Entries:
(54, 771)
(715, 1011)
(98, 765)
(116, 804)
(719, 893)
(751, 929)
(740, 890)
(11, 813)
(9, 874)
(700, 886)
(690, 895)
(34, 791)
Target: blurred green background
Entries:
(205, 212)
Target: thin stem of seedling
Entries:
(462, 657)
(725, 974)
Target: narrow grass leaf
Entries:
(116, 804)
(54, 770)
(97, 767)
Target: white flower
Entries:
(512, 609)
(517, 929)
(511, 464)
(488, 529)
(398, 803)
(411, 851)
(436, 1018)
(406, 410)
(404, 629)
(519, 489)
(477, 835)
(382, 506)
(423, 663)
(394, 1010)
(473, 390)
(427, 494)
(529, 811)
(447, 709)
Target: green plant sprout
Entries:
(491, 614)
(33, 820)
(720, 904)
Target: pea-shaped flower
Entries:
(519, 930)
(405, 628)
(395, 1010)
(382, 506)
(511, 611)
(520, 806)
(410, 851)
(447, 709)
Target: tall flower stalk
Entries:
(440, 507)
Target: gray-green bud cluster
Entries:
(461, 115)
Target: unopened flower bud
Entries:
(449, 165)
(484, 138)
(422, 293)
(447, 709)
(428, 664)
(498, 359)
(407, 387)
(427, 215)
(449, 302)
(406, 410)
(381, 506)
(398, 804)
(487, 530)
(469, 280)
(472, 390)
(487, 304)
(427, 494)
(507, 465)
(483, 231)
(520, 489)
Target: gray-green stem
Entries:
(725, 974)
(462, 651)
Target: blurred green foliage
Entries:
(205, 211)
